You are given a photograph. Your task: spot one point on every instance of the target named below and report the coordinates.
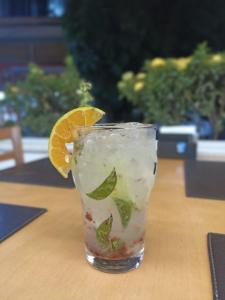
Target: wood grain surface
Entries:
(45, 260)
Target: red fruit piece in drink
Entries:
(88, 216)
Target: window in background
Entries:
(32, 8)
(56, 7)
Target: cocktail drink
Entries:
(113, 167)
(114, 170)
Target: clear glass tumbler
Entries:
(114, 169)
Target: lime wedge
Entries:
(125, 208)
(103, 231)
(105, 188)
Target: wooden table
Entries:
(45, 259)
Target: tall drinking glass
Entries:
(114, 170)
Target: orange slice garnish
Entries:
(65, 131)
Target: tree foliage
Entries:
(109, 37)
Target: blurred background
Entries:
(155, 61)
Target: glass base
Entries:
(115, 265)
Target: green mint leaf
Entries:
(103, 231)
(125, 208)
(116, 244)
(78, 147)
(106, 188)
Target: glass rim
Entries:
(122, 126)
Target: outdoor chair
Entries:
(13, 133)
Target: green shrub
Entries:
(40, 99)
(166, 90)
